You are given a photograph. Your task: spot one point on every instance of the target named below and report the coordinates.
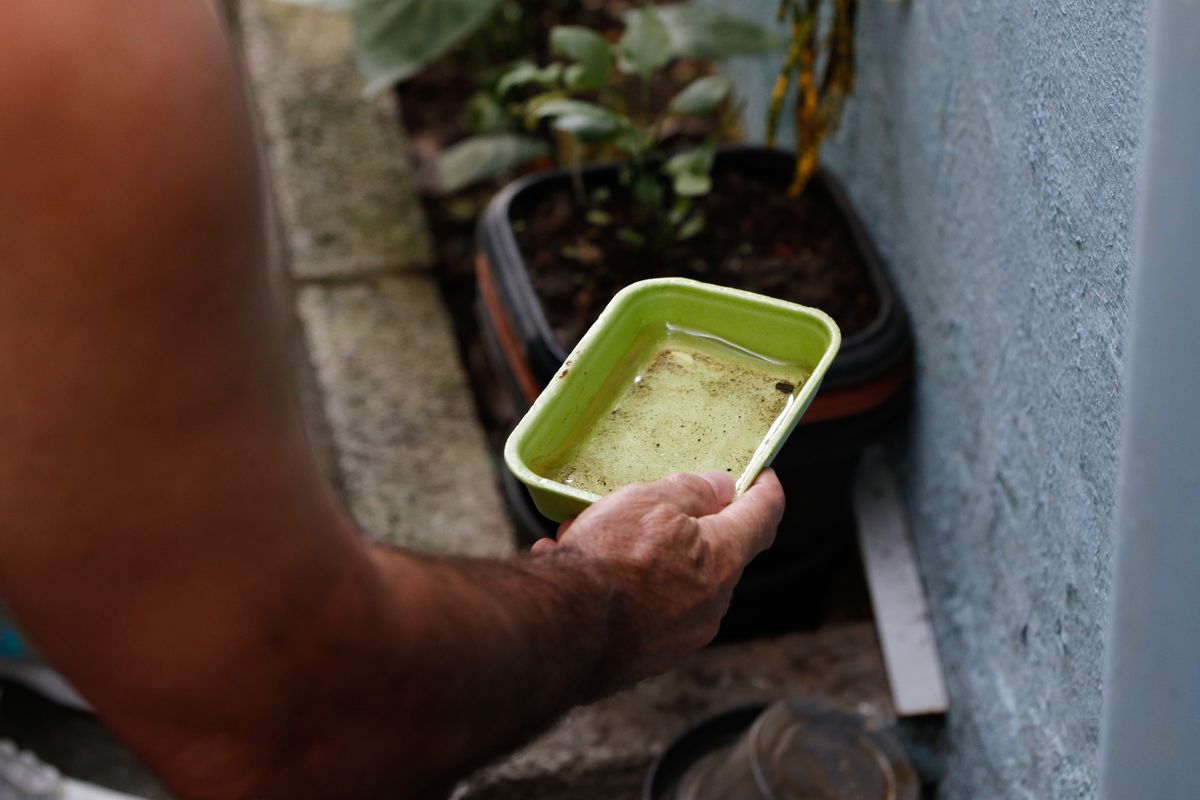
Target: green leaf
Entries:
(395, 39)
(648, 192)
(703, 32)
(599, 217)
(482, 157)
(593, 130)
(579, 43)
(525, 73)
(691, 227)
(688, 184)
(485, 114)
(630, 236)
(633, 141)
(680, 211)
(646, 44)
(698, 160)
(519, 75)
(324, 5)
(592, 54)
(702, 96)
(534, 105)
(590, 122)
(691, 171)
(575, 78)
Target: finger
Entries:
(694, 495)
(723, 486)
(542, 546)
(748, 525)
(566, 526)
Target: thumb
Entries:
(694, 495)
(748, 525)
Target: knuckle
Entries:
(682, 479)
(662, 517)
(689, 484)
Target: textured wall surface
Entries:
(992, 148)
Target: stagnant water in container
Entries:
(694, 403)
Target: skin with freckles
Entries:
(165, 535)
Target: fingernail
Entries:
(543, 546)
(723, 486)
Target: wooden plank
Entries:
(901, 612)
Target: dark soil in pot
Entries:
(542, 261)
(756, 238)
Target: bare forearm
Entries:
(345, 673)
(496, 650)
(459, 660)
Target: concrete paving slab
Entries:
(336, 157)
(410, 449)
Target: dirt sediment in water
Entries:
(685, 410)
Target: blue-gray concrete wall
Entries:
(992, 147)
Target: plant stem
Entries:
(645, 110)
(575, 166)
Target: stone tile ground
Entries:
(346, 201)
(406, 447)
(414, 468)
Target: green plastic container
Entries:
(675, 376)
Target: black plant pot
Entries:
(863, 397)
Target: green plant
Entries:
(820, 64)
(599, 99)
(396, 39)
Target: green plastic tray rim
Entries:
(817, 337)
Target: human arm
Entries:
(164, 533)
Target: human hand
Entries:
(672, 550)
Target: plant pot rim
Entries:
(698, 740)
(872, 349)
